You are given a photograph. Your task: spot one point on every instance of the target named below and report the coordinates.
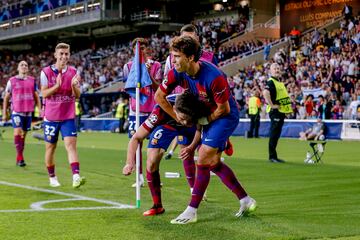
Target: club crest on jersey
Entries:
(154, 141)
(48, 137)
(202, 91)
(180, 138)
(132, 132)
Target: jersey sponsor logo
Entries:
(62, 98)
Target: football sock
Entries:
(201, 182)
(189, 168)
(19, 145)
(51, 170)
(153, 180)
(75, 167)
(228, 178)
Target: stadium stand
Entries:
(324, 63)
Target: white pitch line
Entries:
(37, 206)
(58, 209)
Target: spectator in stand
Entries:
(347, 11)
(294, 106)
(355, 103)
(295, 36)
(267, 48)
(324, 108)
(309, 105)
(94, 111)
(337, 110)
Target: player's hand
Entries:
(186, 152)
(148, 64)
(58, 79)
(128, 169)
(75, 81)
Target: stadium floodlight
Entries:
(32, 19)
(93, 5)
(45, 15)
(60, 12)
(224, 1)
(5, 25)
(77, 8)
(16, 22)
(154, 15)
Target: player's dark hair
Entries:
(189, 104)
(189, 28)
(187, 45)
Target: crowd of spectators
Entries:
(212, 31)
(321, 74)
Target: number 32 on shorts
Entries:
(49, 130)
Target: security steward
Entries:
(122, 113)
(78, 113)
(254, 114)
(279, 104)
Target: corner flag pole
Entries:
(137, 125)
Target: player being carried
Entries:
(163, 129)
(23, 93)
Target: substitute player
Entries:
(209, 84)
(60, 88)
(22, 91)
(155, 72)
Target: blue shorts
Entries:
(23, 122)
(52, 129)
(132, 123)
(216, 133)
(162, 136)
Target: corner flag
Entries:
(138, 76)
(136, 82)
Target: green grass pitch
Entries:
(295, 200)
